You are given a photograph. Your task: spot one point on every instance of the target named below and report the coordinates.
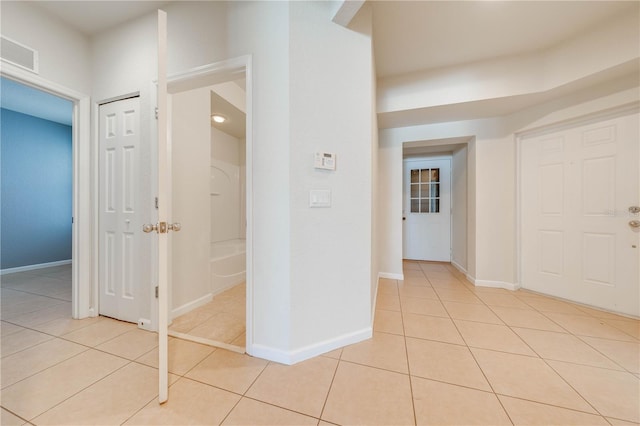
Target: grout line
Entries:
(406, 354)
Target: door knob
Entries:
(175, 227)
(634, 223)
(634, 209)
(149, 227)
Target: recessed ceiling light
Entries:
(218, 118)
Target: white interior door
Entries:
(577, 239)
(427, 209)
(120, 210)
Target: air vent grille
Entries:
(18, 54)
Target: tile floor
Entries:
(443, 352)
(221, 320)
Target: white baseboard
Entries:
(459, 268)
(187, 307)
(33, 267)
(497, 284)
(391, 276)
(308, 352)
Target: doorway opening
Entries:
(436, 201)
(56, 279)
(210, 272)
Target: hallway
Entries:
(443, 352)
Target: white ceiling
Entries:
(411, 36)
(94, 16)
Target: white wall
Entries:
(330, 100)
(226, 216)
(64, 54)
(191, 153)
(491, 231)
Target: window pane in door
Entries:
(415, 206)
(424, 205)
(415, 190)
(435, 205)
(424, 175)
(415, 176)
(435, 175)
(435, 190)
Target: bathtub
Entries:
(227, 265)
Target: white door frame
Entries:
(82, 232)
(632, 107)
(205, 76)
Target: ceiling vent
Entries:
(18, 54)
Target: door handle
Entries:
(634, 223)
(162, 227)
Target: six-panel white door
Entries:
(427, 210)
(119, 219)
(577, 186)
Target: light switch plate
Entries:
(320, 198)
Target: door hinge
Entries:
(156, 292)
(156, 113)
(156, 203)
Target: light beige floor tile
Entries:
(440, 275)
(471, 312)
(588, 326)
(63, 326)
(241, 340)
(183, 356)
(388, 302)
(618, 422)
(387, 286)
(416, 291)
(444, 404)
(189, 321)
(629, 326)
(364, 395)
(452, 285)
(336, 354)
(564, 347)
(9, 419)
(445, 362)
(492, 336)
(434, 267)
(528, 378)
(388, 322)
(11, 310)
(131, 345)
(462, 296)
(412, 265)
(61, 310)
(8, 328)
(503, 300)
(36, 394)
(612, 393)
(547, 304)
(515, 317)
(598, 313)
(221, 327)
(99, 332)
(413, 305)
(626, 354)
(228, 370)
(532, 413)
(21, 340)
(110, 401)
(431, 328)
(383, 350)
(414, 281)
(36, 358)
(302, 387)
(190, 403)
(250, 412)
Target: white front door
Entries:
(427, 209)
(120, 210)
(577, 186)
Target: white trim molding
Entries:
(33, 267)
(308, 352)
(391, 276)
(497, 284)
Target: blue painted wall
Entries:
(36, 190)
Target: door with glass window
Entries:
(426, 212)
